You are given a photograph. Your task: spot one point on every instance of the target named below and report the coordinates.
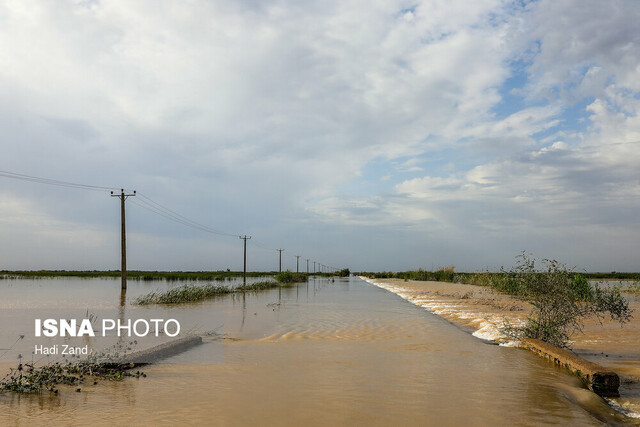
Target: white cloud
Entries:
(256, 115)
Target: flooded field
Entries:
(341, 352)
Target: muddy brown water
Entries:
(325, 352)
(483, 312)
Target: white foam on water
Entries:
(627, 408)
(488, 329)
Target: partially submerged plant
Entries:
(186, 293)
(106, 365)
(257, 286)
(290, 277)
(192, 293)
(561, 300)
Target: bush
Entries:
(561, 300)
(289, 277)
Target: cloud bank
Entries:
(376, 135)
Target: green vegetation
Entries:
(498, 280)
(257, 286)
(134, 275)
(186, 293)
(159, 275)
(443, 274)
(192, 293)
(612, 276)
(561, 298)
(28, 379)
(633, 288)
(289, 277)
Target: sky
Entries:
(374, 135)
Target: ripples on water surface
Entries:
(318, 353)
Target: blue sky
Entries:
(376, 135)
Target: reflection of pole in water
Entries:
(121, 308)
(244, 308)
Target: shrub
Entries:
(289, 277)
(561, 301)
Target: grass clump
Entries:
(29, 379)
(257, 286)
(290, 277)
(633, 288)
(182, 294)
(193, 293)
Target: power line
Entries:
(170, 217)
(48, 181)
(155, 207)
(145, 203)
(266, 248)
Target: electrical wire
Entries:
(171, 217)
(40, 180)
(153, 206)
(261, 246)
(142, 201)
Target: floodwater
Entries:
(325, 352)
(484, 312)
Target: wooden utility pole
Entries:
(297, 261)
(244, 270)
(123, 236)
(314, 267)
(280, 262)
(307, 265)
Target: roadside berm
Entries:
(600, 380)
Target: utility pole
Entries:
(307, 265)
(280, 261)
(123, 236)
(244, 270)
(297, 260)
(314, 267)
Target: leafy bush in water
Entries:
(561, 300)
(289, 277)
